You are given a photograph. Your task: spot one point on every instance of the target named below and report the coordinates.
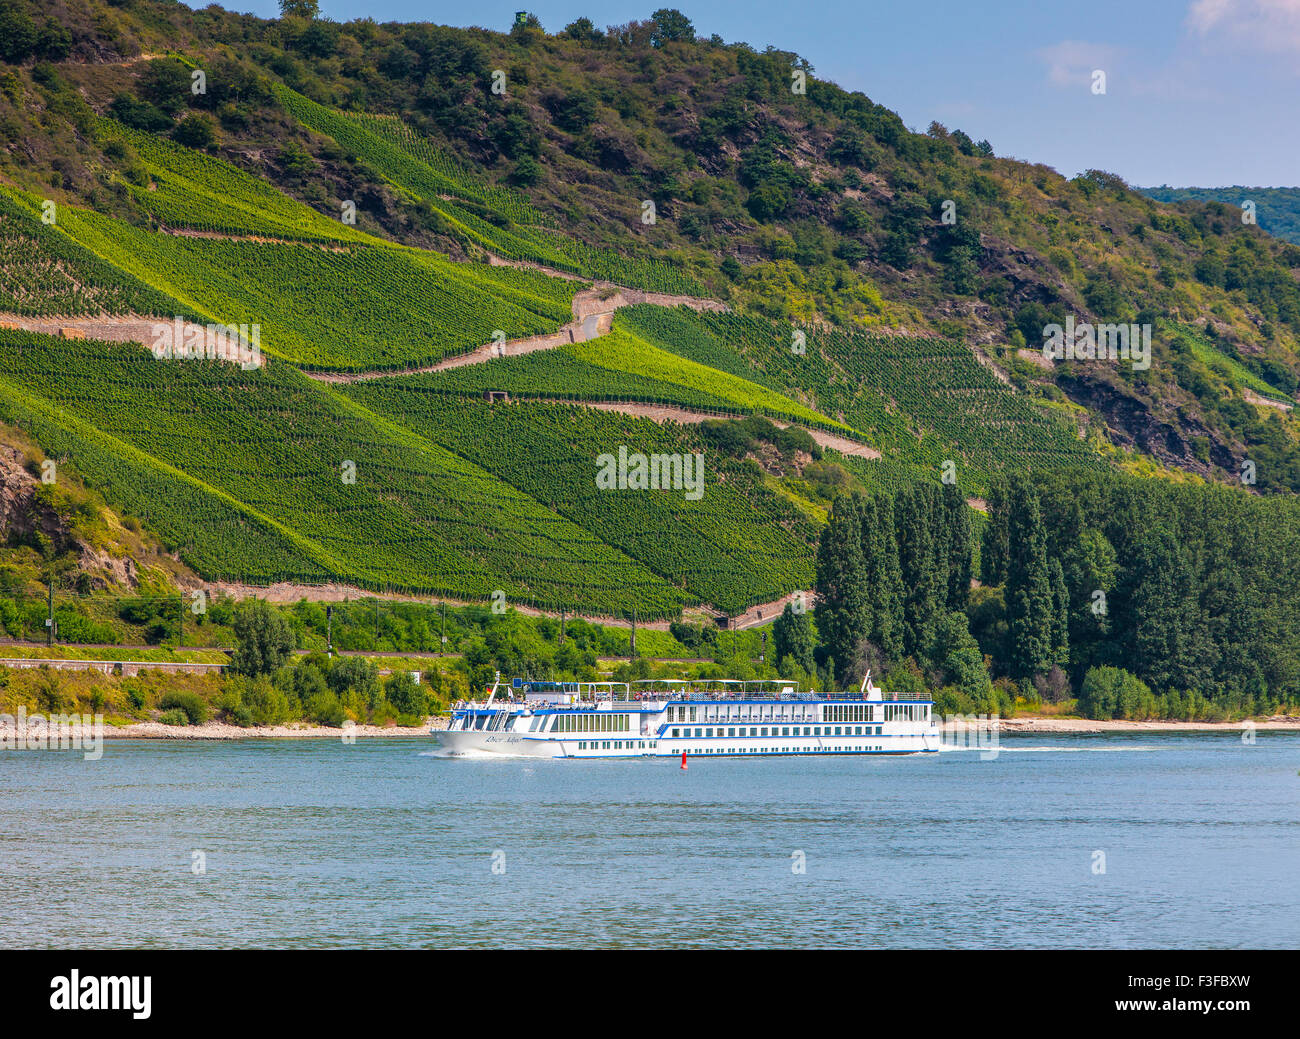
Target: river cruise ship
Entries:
(702, 718)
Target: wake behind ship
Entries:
(667, 718)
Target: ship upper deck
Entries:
(587, 696)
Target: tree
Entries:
(925, 585)
(956, 654)
(1060, 615)
(299, 8)
(263, 639)
(1028, 584)
(670, 25)
(842, 606)
(884, 576)
(165, 83)
(406, 694)
(18, 34)
(1167, 632)
(195, 131)
(993, 547)
(582, 29)
(357, 674)
(792, 636)
(956, 522)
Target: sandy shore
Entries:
(222, 731)
(1051, 725)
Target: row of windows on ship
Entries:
(798, 712)
(708, 732)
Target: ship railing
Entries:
(809, 697)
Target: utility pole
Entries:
(180, 620)
(49, 619)
(329, 631)
(562, 627)
(443, 643)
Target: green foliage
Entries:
(42, 272)
(470, 207)
(264, 639)
(922, 401)
(1277, 209)
(736, 546)
(241, 501)
(190, 704)
(1112, 692)
(793, 637)
(1028, 586)
(406, 694)
(364, 307)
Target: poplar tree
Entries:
(842, 607)
(1167, 631)
(1028, 584)
(792, 636)
(884, 576)
(914, 526)
(993, 546)
(1060, 615)
(956, 518)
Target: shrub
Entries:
(324, 709)
(230, 707)
(174, 717)
(406, 695)
(266, 704)
(195, 710)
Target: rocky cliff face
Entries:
(24, 518)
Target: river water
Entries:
(1147, 840)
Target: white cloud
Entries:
(1250, 25)
(1070, 63)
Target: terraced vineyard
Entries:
(43, 273)
(1228, 368)
(490, 218)
(556, 374)
(189, 189)
(738, 545)
(624, 351)
(359, 307)
(244, 474)
(921, 400)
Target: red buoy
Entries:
(683, 760)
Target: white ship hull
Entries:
(607, 720)
(493, 744)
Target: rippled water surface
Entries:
(317, 843)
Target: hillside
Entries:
(1277, 210)
(464, 299)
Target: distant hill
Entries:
(480, 262)
(1277, 210)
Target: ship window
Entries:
(785, 732)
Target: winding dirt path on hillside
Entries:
(593, 316)
(287, 592)
(686, 416)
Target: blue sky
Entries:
(1198, 92)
